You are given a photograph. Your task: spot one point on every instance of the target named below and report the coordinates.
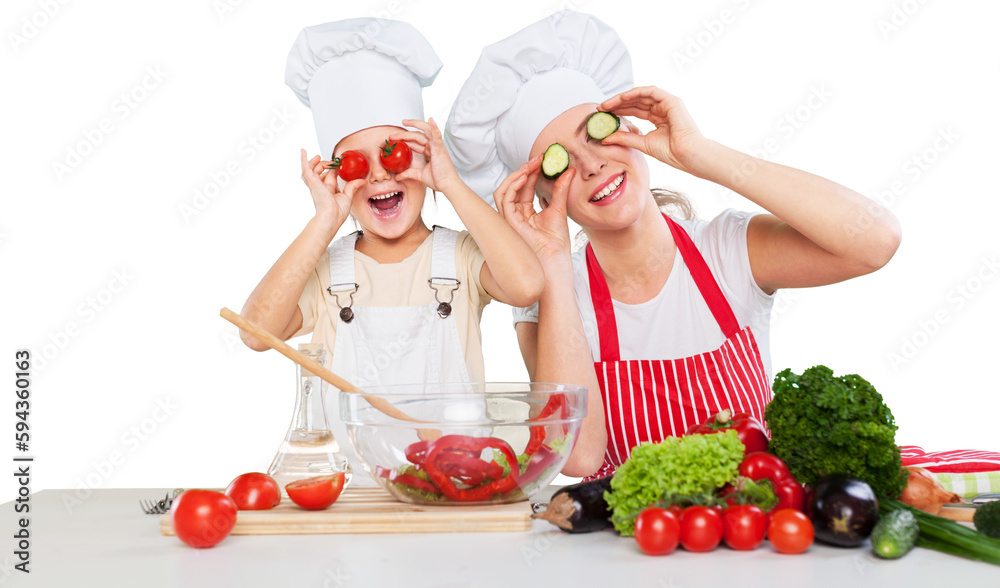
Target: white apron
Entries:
(386, 345)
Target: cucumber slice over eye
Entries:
(602, 124)
(555, 161)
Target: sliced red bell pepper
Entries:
(460, 443)
(540, 462)
(537, 432)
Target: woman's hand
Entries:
(438, 172)
(676, 138)
(331, 204)
(546, 232)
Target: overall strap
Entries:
(607, 327)
(704, 279)
(341, 254)
(444, 274)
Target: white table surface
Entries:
(107, 541)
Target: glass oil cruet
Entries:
(309, 448)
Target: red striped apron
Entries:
(648, 400)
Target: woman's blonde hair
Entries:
(670, 202)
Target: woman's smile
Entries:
(609, 191)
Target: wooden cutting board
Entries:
(373, 510)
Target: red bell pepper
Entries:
(463, 443)
(540, 462)
(470, 470)
(748, 429)
(408, 480)
(537, 432)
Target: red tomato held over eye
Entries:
(395, 157)
(351, 165)
(701, 528)
(657, 531)
(202, 518)
(316, 493)
(254, 491)
(764, 466)
(790, 531)
(744, 526)
(790, 494)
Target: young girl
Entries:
(664, 320)
(395, 302)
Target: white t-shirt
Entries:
(677, 323)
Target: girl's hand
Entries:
(331, 203)
(546, 232)
(438, 173)
(676, 137)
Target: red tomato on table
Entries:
(202, 518)
(701, 528)
(657, 531)
(744, 526)
(790, 531)
(316, 493)
(254, 491)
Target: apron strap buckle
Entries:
(346, 314)
(444, 307)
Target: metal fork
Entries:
(161, 506)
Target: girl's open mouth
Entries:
(611, 190)
(385, 206)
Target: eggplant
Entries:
(843, 510)
(578, 508)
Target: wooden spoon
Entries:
(303, 360)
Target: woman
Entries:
(665, 321)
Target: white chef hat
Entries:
(523, 82)
(360, 73)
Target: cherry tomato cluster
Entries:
(658, 531)
(394, 157)
(203, 518)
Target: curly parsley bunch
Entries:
(821, 424)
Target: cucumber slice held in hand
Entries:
(602, 124)
(555, 161)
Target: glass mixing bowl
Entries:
(455, 443)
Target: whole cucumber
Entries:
(895, 534)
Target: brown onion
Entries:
(923, 491)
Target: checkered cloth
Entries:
(965, 472)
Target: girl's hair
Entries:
(668, 201)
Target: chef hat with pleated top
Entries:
(523, 82)
(359, 73)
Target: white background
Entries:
(154, 389)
